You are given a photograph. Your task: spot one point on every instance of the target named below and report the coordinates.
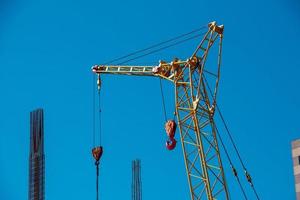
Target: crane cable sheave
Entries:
(214, 27)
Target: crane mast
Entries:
(195, 104)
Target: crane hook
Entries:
(97, 153)
(171, 144)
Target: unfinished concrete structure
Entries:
(36, 156)
(136, 180)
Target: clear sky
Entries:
(47, 49)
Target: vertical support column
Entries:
(296, 164)
(36, 156)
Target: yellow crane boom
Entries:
(195, 106)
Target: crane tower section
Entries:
(196, 81)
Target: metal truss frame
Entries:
(195, 108)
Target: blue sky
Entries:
(48, 47)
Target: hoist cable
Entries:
(163, 99)
(100, 119)
(153, 46)
(248, 177)
(161, 48)
(94, 111)
(97, 180)
(231, 164)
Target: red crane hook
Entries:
(171, 144)
(97, 153)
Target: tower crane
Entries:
(195, 103)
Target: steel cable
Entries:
(94, 112)
(100, 120)
(249, 179)
(153, 46)
(163, 99)
(160, 49)
(231, 164)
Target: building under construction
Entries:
(136, 185)
(36, 156)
